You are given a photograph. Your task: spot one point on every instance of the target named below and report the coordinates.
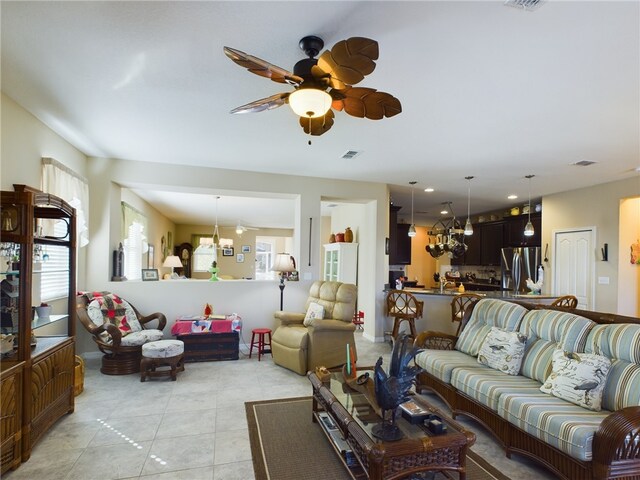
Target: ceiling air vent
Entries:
(525, 4)
(583, 163)
(349, 154)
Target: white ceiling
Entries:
(486, 89)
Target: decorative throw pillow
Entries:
(578, 378)
(503, 350)
(113, 309)
(314, 311)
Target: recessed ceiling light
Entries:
(444, 212)
(428, 189)
(512, 197)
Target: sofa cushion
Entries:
(578, 378)
(488, 313)
(620, 343)
(545, 329)
(315, 310)
(566, 426)
(440, 363)
(486, 385)
(502, 351)
(113, 309)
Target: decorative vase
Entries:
(348, 235)
(339, 237)
(332, 238)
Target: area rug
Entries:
(286, 445)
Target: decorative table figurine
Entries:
(214, 272)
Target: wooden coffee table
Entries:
(335, 404)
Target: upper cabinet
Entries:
(399, 239)
(514, 231)
(341, 262)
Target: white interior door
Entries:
(574, 266)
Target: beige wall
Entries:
(423, 265)
(597, 206)
(629, 274)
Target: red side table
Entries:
(261, 343)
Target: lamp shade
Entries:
(310, 102)
(284, 263)
(172, 261)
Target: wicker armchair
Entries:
(122, 347)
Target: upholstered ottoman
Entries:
(162, 353)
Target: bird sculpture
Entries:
(536, 287)
(393, 389)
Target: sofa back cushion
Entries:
(546, 330)
(621, 344)
(488, 313)
(338, 299)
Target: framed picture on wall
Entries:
(227, 252)
(246, 248)
(240, 258)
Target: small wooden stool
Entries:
(162, 353)
(260, 344)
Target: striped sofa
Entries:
(572, 441)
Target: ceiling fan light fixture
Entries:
(239, 229)
(310, 102)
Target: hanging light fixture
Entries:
(468, 228)
(310, 102)
(216, 235)
(412, 228)
(528, 229)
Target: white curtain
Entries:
(61, 181)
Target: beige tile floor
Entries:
(194, 428)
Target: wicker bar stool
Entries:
(459, 305)
(403, 306)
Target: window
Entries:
(54, 279)
(135, 245)
(264, 261)
(204, 254)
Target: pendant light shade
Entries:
(412, 228)
(468, 228)
(528, 228)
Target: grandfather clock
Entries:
(184, 251)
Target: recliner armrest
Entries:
(326, 324)
(289, 318)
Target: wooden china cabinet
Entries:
(36, 378)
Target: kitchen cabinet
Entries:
(491, 248)
(37, 378)
(474, 247)
(514, 231)
(399, 239)
(341, 262)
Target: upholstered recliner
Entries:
(301, 345)
(118, 329)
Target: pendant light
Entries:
(216, 235)
(468, 228)
(412, 228)
(528, 229)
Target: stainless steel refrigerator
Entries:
(518, 264)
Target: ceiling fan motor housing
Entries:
(311, 45)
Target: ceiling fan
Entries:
(240, 229)
(323, 83)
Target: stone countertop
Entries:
(450, 292)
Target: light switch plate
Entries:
(603, 280)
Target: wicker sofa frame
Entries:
(616, 444)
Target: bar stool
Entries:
(358, 320)
(261, 342)
(403, 306)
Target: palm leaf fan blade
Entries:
(350, 60)
(268, 103)
(319, 125)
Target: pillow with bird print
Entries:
(578, 378)
(503, 350)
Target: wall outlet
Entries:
(603, 280)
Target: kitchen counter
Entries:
(437, 306)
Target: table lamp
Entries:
(284, 263)
(172, 261)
